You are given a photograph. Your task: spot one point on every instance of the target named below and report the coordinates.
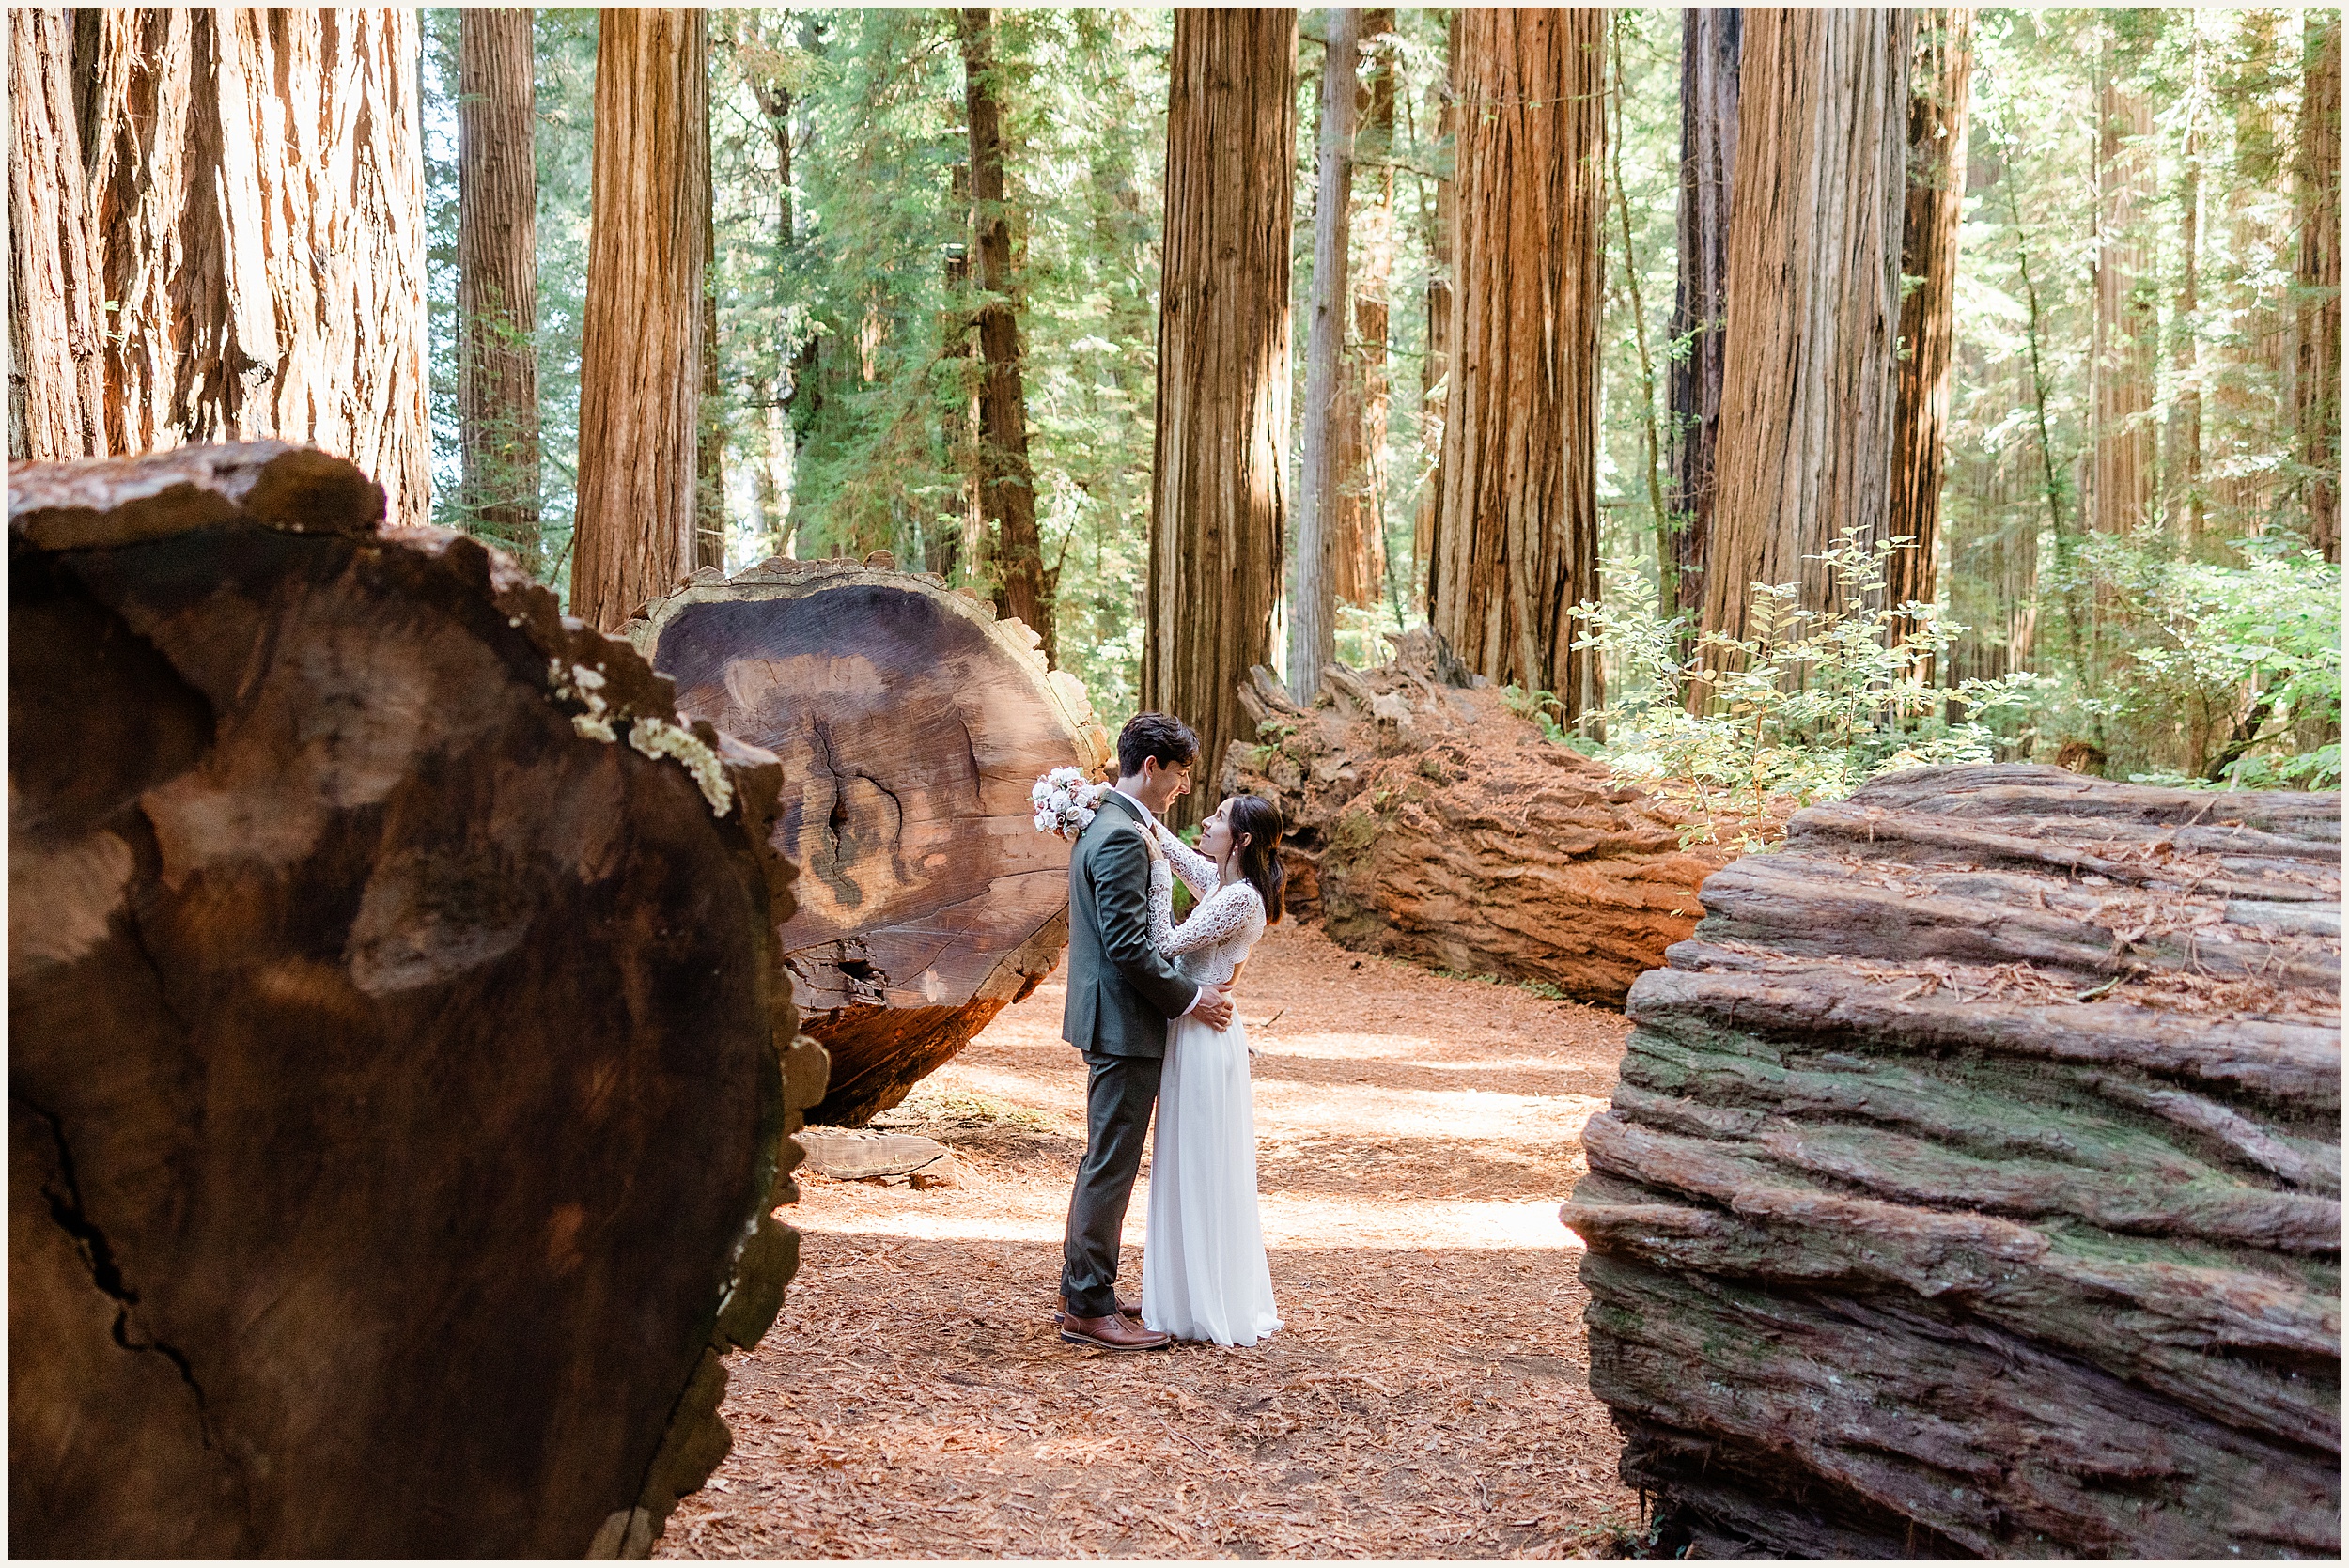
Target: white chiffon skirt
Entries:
(1204, 1275)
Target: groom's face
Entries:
(1162, 784)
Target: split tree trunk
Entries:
(912, 725)
(1006, 487)
(2317, 385)
(1807, 393)
(56, 330)
(1709, 53)
(641, 338)
(1972, 1186)
(1219, 488)
(1436, 368)
(258, 182)
(1428, 821)
(1518, 545)
(1328, 414)
(497, 277)
(394, 1120)
(2120, 359)
(1359, 534)
(1940, 77)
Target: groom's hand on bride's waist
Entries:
(1213, 1008)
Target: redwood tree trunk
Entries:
(641, 341)
(1358, 545)
(1328, 413)
(1709, 39)
(259, 183)
(2121, 363)
(57, 359)
(2318, 384)
(1941, 73)
(1807, 393)
(497, 277)
(1519, 540)
(709, 450)
(1219, 499)
(1006, 487)
(1434, 368)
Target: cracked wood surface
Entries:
(397, 1088)
(1972, 1186)
(912, 725)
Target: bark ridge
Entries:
(1973, 1183)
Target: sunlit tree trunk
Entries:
(1006, 487)
(1808, 384)
(1709, 52)
(1518, 542)
(1358, 554)
(2121, 359)
(259, 182)
(497, 278)
(1941, 75)
(56, 353)
(2183, 504)
(1218, 488)
(1435, 366)
(641, 340)
(2317, 384)
(710, 447)
(1329, 414)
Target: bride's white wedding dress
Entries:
(1204, 1275)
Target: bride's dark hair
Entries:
(1259, 820)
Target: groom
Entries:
(1122, 991)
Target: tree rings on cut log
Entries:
(396, 1112)
(1973, 1183)
(912, 725)
(1428, 821)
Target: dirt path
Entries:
(1427, 1397)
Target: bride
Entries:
(1204, 1275)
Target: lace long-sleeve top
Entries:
(1211, 944)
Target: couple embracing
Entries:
(1149, 1005)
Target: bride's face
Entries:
(1215, 835)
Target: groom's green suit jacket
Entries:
(1121, 989)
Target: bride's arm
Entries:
(1198, 872)
(1222, 915)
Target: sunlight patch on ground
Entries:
(1289, 1224)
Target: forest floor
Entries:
(1427, 1397)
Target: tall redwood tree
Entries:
(640, 339)
(1218, 498)
(497, 277)
(1516, 546)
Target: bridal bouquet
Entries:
(1063, 802)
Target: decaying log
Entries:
(912, 725)
(396, 1105)
(1973, 1183)
(1429, 821)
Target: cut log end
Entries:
(911, 724)
(396, 1091)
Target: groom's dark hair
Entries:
(1155, 735)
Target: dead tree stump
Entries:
(1428, 821)
(1973, 1183)
(395, 1107)
(912, 725)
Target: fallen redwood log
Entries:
(395, 1099)
(912, 725)
(1429, 821)
(1972, 1187)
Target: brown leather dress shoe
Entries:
(1125, 1308)
(1111, 1333)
